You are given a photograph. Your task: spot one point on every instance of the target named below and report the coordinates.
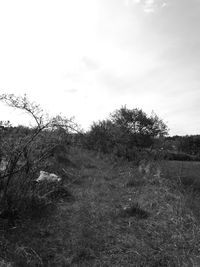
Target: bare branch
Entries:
(24, 104)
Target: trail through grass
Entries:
(119, 217)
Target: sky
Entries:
(88, 58)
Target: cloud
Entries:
(149, 6)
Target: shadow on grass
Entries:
(135, 183)
(134, 211)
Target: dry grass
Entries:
(120, 216)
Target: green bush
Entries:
(125, 133)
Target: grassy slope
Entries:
(119, 218)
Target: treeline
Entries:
(132, 134)
(189, 144)
(127, 133)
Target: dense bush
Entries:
(126, 133)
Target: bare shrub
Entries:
(27, 153)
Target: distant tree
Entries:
(136, 121)
(125, 131)
(189, 144)
(139, 128)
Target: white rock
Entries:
(48, 177)
(3, 164)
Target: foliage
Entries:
(126, 131)
(136, 121)
(101, 136)
(187, 144)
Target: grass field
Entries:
(118, 216)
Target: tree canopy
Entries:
(136, 121)
(126, 129)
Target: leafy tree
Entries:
(124, 131)
(136, 121)
(139, 129)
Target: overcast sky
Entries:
(89, 57)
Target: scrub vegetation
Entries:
(121, 201)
